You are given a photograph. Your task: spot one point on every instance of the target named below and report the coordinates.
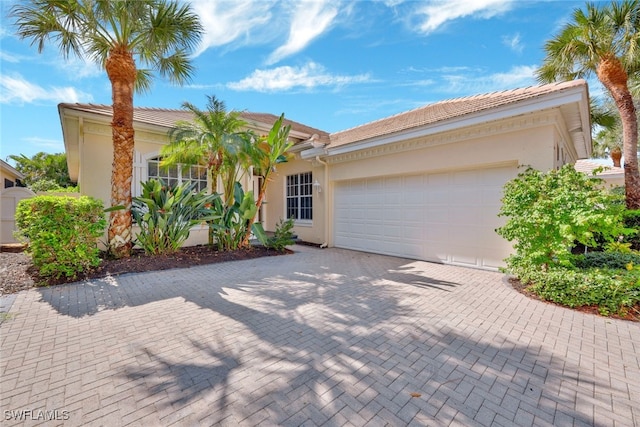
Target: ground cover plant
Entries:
(550, 215)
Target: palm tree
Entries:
(214, 139)
(265, 154)
(208, 140)
(606, 130)
(118, 35)
(604, 41)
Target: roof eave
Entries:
(6, 166)
(577, 96)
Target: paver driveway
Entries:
(321, 337)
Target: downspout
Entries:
(326, 202)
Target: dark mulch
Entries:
(633, 314)
(18, 273)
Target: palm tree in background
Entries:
(607, 141)
(606, 131)
(605, 41)
(118, 35)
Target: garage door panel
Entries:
(438, 233)
(413, 213)
(465, 255)
(465, 179)
(465, 197)
(436, 215)
(374, 214)
(391, 199)
(375, 184)
(438, 197)
(438, 179)
(445, 217)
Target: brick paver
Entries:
(321, 337)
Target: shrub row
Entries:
(613, 291)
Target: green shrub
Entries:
(632, 221)
(51, 186)
(166, 214)
(549, 212)
(613, 291)
(611, 260)
(233, 217)
(62, 233)
(282, 237)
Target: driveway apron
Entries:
(321, 337)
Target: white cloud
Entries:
(15, 89)
(75, 68)
(308, 76)
(438, 13)
(310, 19)
(227, 21)
(467, 84)
(364, 106)
(4, 56)
(513, 42)
(48, 145)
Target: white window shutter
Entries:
(139, 173)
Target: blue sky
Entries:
(328, 64)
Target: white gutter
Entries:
(326, 202)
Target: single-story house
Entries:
(424, 184)
(613, 176)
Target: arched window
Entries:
(174, 175)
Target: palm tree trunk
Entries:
(612, 75)
(121, 70)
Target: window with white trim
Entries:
(300, 196)
(174, 175)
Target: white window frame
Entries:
(178, 171)
(302, 190)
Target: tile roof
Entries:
(446, 110)
(431, 114)
(588, 166)
(168, 117)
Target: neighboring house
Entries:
(612, 176)
(11, 193)
(424, 184)
(9, 176)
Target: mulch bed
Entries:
(20, 274)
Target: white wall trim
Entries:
(494, 128)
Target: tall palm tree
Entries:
(605, 41)
(118, 35)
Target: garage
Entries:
(447, 217)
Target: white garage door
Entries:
(445, 217)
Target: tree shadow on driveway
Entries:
(337, 340)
